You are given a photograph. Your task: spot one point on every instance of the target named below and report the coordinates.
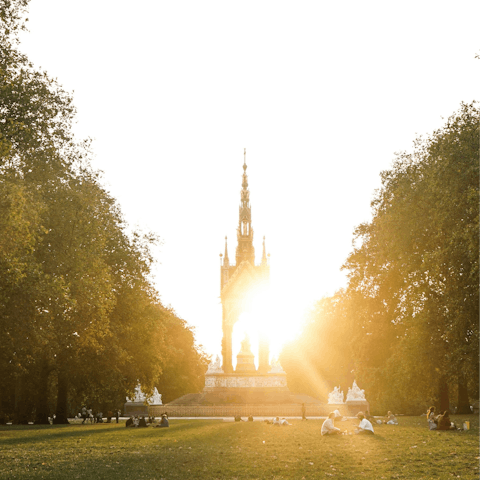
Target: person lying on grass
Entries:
(365, 427)
(328, 428)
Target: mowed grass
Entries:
(213, 449)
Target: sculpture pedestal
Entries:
(135, 408)
(355, 406)
(241, 388)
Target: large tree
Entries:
(416, 263)
(79, 318)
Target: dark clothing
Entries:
(129, 422)
(444, 422)
(142, 422)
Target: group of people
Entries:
(139, 422)
(88, 415)
(439, 422)
(365, 426)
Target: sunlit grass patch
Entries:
(209, 449)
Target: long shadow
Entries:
(49, 432)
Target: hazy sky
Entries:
(320, 93)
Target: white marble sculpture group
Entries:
(354, 394)
(214, 366)
(140, 397)
(335, 397)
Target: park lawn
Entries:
(210, 449)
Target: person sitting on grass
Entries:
(365, 426)
(328, 428)
(431, 418)
(444, 422)
(391, 419)
(129, 422)
(276, 421)
(142, 422)
(163, 422)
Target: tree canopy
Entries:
(80, 320)
(411, 305)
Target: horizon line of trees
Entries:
(80, 321)
(406, 325)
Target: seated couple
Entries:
(365, 427)
(439, 422)
(136, 422)
(280, 421)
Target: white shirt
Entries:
(366, 425)
(328, 427)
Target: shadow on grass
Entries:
(50, 432)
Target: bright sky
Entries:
(321, 94)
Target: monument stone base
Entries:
(355, 406)
(242, 394)
(135, 408)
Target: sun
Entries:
(273, 315)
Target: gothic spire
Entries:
(245, 250)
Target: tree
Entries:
(79, 317)
(417, 260)
(185, 366)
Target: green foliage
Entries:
(407, 324)
(415, 272)
(184, 372)
(78, 313)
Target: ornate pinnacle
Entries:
(226, 262)
(264, 254)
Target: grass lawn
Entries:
(209, 449)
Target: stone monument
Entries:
(335, 397)
(241, 283)
(138, 405)
(356, 400)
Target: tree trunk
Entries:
(3, 419)
(22, 415)
(41, 411)
(463, 405)
(61, 414)
(443, 394)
